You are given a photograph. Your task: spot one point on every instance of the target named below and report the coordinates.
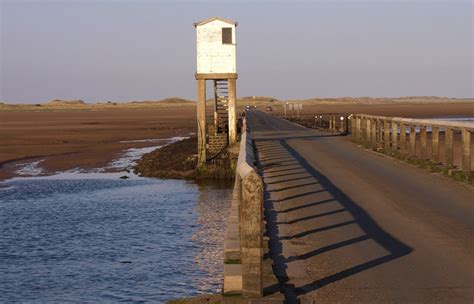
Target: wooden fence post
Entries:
(435, 143)
(379, 134)
(353, 127)
(423, 146)
(403, 137)
(448, 147)
(413, 140)
(466, 151)
(358, 128)
(367, 131)
(386, 133)
(374, 133)
(394, 136)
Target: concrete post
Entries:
(448, 146)
(394, 136)
(252, 235)
(466, 151)
(232, 111)
(386, 133)
(403, 137)
(423, 146)
(238, 185)
(201, 121)
(435, 143)
(413, 140)
(330, 123)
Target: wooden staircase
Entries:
(221, 92)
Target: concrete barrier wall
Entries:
(243, 253)
(409, 137)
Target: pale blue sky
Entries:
(141, 50)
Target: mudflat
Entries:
(68, 139)
(87, 136)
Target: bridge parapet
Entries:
(410, 136)
(243, 254)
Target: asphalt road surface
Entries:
(347, 225)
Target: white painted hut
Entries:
(216, 61)
(215, 41)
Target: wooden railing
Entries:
(410, 137)
(333, 122)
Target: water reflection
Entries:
(212, 210)
(102, 239)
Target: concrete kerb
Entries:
(244, 233)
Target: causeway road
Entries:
(347, 225)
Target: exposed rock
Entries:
(177, 160)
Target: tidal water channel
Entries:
(93, 237)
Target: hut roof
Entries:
(205, 21)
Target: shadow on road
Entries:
(276, 148)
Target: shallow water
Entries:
(97, 238)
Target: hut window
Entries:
(226, 35)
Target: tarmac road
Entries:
(350, 226)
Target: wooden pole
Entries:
(413, 140)
(201, 121)
(448, 147)
(232, 111)
(403, 137)
(466, 151)
(386, 133)
(423, 146)
(353, 128)
(216, 115)
(379, 134)
(435, 143)
(374, 133)
(358, 128)
(367, 131)
(346, 125)
(394, 136)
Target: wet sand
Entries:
(89, 137)
(85, 139)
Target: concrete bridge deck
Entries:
(350, 226)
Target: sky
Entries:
(145, 50)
